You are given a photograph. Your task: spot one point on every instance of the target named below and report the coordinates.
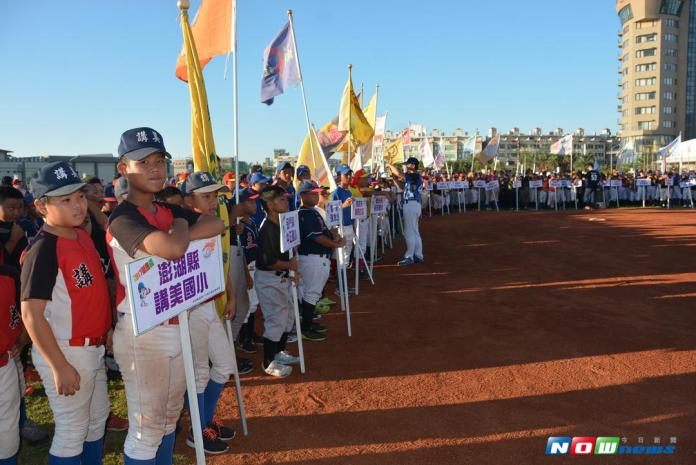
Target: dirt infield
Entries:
(519, 326)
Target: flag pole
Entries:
(235, 108)
(350, 103)
(304, 96)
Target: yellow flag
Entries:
(370, 111)
(316, 161)
(394, 153)
(203, 146)
(351, 118)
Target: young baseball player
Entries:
(151, 364)
(67, 312)
(410, 182)
(316, 247)
(343, 193)
(12, 239)
(273, 286)
(12, 339)
(208, 338)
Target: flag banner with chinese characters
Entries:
(203, 145)
(394, 152)
(312, 155)
(280, 67)
(490, 151)
(212, 32)
(563, 146)
(351, 118)
(160, 289)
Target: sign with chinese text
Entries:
(160, 289)
(333, 213)
(358, 210)
(379, 204)
(289, 231)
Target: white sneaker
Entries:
(278, 369)
(285, 358)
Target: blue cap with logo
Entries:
(343, 169)
(56, 179)
(310, 186)
(202, 182)
(258, 178)
(302, 170)
(282, 166)
(139, 143)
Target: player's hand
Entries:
(230, 308)
(67, 380)
(340, 242)
(110, 341)
(239, 229)
(296, 278)
(348, 202)
(292, 265)
(249, 281)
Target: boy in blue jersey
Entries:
(411, 183)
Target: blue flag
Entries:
(280, 66)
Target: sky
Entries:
(76, 74)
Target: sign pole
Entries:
(187, 352)
(357, 253)
(237, 383)
(296, 308)
(517, 199)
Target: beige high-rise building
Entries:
(657, 72)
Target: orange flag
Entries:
(212, 33)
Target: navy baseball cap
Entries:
(343, 169)
(246, 194)
(258, 178)
(109, 195)
(283, 165)
(202, 182)
(56, 179)
(121, 187)
(302, 169)
(411, 161)
(139, 143)
(310, 186)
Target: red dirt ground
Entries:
(519, 326)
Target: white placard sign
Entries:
(160, 289)
(358, 209)
(643, 182)
(684, 184)
(429, 186)
(379, 204)
(566, 183)
(669, 182)
(479, 184)
(578, 183)
(516, 184)
(289, 231)
(463, 184)
(492, 185)
(615, 183)
(555, 183)
(333, 213)
(441, 186)
(536, 184)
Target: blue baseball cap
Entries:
(202, 182)
(310, 186)
(302, 169)
(56, 179)
(246, 194)
(343, 169)
(283, 165)
(139, 143)
(258, 178)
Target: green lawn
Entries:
(39, 411)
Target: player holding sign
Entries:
(411, 183)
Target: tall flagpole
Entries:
(350, 104)
(304, 97)
(235, 105)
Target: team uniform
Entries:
(67, 274)
(152, 364)
(591, 185)
(248, 243)
(10, 398)
(412, 212)
(343, 194)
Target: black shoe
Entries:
(247, 346)
(317, 328)
(211, 443)
(223, 432)
(244, 366)
(312, 336)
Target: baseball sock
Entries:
(92, 452)
(165, 452)
(211, 395)
(129, 461)
(9, 461)
(243, 333)
(53, 460)
(22, 412)
(307, 316)
(201, 409)
(282, 344)
(269, 351)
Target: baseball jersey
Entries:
(312, 226)
(248, 241)
(412, 186)
(269, 246)
(128, 227)
(343, 194)
(10, 317)
(260, 214)
(68, 274)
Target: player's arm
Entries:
(397, 175)
(169, 245)
(67, 379)
(328, 242)
(231, 305)
(206, 226)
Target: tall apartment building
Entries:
(657, 72)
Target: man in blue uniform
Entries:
(411, 183)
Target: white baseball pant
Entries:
(253, 298)
(276, 304)
(10, 398)
(209, 343)
(152, 367)
(414, 245)
(314, 272)
(82, 416)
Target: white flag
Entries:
(426, 153)
(563, 146)
(470, 145)
(491, 150)
(380, 124)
